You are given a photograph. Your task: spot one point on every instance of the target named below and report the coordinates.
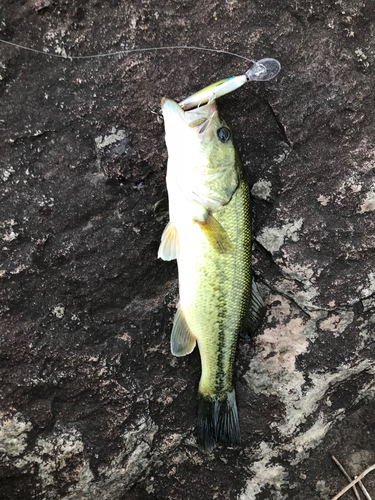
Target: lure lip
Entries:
(263, 70)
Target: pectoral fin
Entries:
(169, 248)
(215, 233)
(256, 311)
(182, 340)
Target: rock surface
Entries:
(93, 405)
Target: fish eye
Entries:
(223, 134)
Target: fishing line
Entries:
(124, 52)
(262, 70)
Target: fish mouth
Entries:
(193, 117)
(199, 120)
(170, 108)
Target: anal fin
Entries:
(256, 311)
(215, 233)
(169, 248)
(182, 340)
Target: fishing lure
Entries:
(262, 70)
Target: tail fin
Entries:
(218, 421)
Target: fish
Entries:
(209, 233)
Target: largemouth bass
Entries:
(209, 234)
